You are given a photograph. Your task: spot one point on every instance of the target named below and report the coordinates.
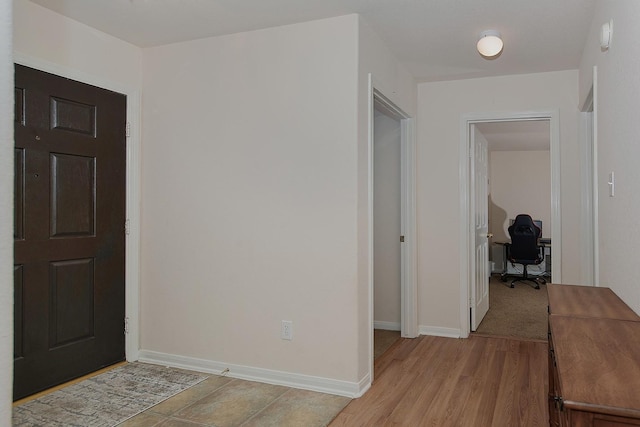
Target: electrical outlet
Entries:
(287, 330)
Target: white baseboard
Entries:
(288, 379)
(387, 326)
(439, 332)
(364, 385)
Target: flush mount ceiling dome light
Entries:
(490, 44)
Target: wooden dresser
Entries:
(594, 358)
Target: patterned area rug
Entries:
(107, 399)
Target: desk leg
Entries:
(503, 276)
(547, 265)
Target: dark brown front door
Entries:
(70, 158)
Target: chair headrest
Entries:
(523, 225)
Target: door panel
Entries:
(480, 210)
(73, 116)
(19, 105)
(69, 230)
(72, 195)
(18, 195)
(71, 309)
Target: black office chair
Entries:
(524, 248)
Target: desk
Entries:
(543, 269)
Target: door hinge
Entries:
(127, 227)
(126, 325)
(127, 130)
(401, 239)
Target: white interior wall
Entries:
(249, 199)
(279, 158)
(6, 213)
(386, 221)
(440, 106)
(618, 101)
(520, 183)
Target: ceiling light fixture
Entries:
(490, 44)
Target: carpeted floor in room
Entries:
(383, 340)
(520, 312)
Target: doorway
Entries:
(408, 321)
(469, 301)
(518, 181)
(589, 190)
(69, 274)
(387, 230)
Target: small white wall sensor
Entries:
(605, 35)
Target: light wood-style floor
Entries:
(476, 382)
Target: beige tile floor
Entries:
(224, 402)
(221, 401)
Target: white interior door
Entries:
(480, 220)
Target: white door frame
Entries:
(132, 239)
(466, 192)
(408, 256)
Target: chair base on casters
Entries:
(534, 281)
(525, 278)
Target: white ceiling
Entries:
(521, 135)
(434, 39)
